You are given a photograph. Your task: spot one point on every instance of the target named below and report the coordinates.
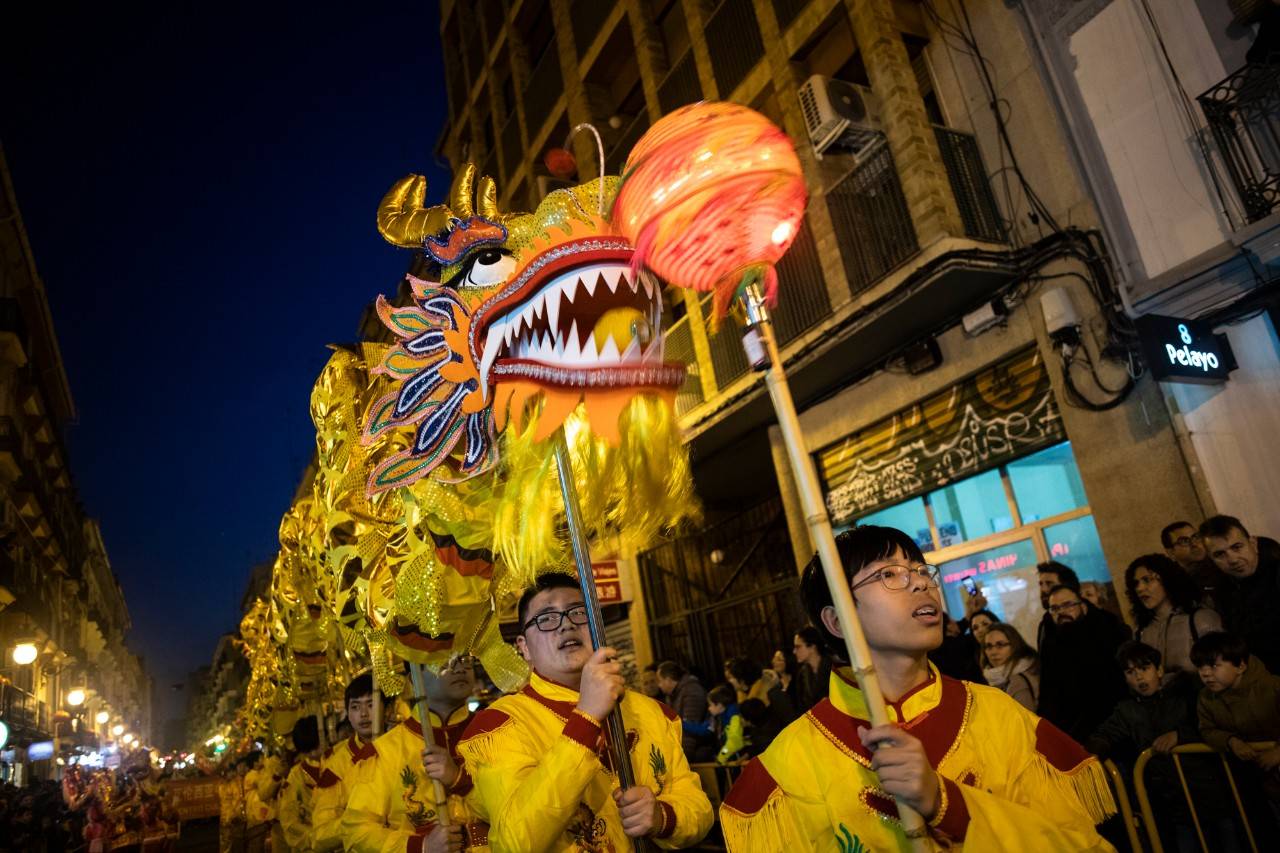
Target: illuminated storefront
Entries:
(982, 476)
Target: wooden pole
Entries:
(615, 725)
(424, 717)
(377, 699)
(815, 510)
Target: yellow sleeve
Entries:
(1058, 797)
(328, 800)
(687, 813)
(294, 811)
(373, 785)
(528, 799)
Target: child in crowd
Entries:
(1161, 716)
(723, 720)
(1239, 706)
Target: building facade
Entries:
(960, 316)
(60, 603)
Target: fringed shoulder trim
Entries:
(752, 790)
(1064, 767)
(479, 734)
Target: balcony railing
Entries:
(22, 710)
(787, 11)
(678, 347)
(803, 299)
(969, 185)
(733, 40)
(681, 86)
(618, 153)
(512, 149)
(871, 219)
(588, 17)
(545, 85)
(1243, 112)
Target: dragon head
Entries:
(543, 308)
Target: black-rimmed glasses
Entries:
(552, 620)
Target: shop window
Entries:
(910, 517)
(1075, 543)
(1046, 483)
(974, 507)
(1007, 576)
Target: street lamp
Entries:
(25, 653)
(117, 729)
(75, 697)
(127, 739)
(101, 717)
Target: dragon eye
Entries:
(489, 267)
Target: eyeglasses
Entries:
(998, 644)
(1184, 541)
(552, 620)
(1065, 606)
(897, 578)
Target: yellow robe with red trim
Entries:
(259, 803)
(541, 781)
(294, 804)
(392, 805)
(1010, 780)
(329, 799)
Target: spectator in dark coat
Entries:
(686, 695)
(813, 670)
(957, 657)
(1080, 684)
(1052, 574)
(1182, 544)
(1248, 593)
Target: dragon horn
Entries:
(487, 199)
(403, 220)
(462, 191)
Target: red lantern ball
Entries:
(560, 163)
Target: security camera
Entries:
(1061, 320)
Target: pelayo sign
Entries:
(1181, 350)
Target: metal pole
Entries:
(424, 717)
(815, 511)
(595, 621)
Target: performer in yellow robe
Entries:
(329, 799)
(293, 804)
(392, 806)
(231, 816)
(985, 773)
(537, 756)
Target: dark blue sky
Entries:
(199, 187)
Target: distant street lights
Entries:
(117, 729)
(25, 653)
(101, 717)
(75, 697)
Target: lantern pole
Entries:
(762, 351)
(439, 794)
(615, 726)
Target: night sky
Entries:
(199, 187)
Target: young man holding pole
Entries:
(539, 759)
(394, 805)
(982, 771)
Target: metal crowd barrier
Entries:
(1144, 801)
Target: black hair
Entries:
(1219, 644)
(1166, 535)
(1063, 587)
(1066, 575)
(670, 669)
(1219, 526)
(360, 686)
(305, 734)
(744, 669)
(722, 694)
(1135, 653)
(812, 637)
(983, 612)
(550, 580)
(754, 711)
(857, 548)
(1178, 586)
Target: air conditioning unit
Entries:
(839, 115)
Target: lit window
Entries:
(1046, 483)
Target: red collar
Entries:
(560, 707)
(936, 728)
(360, 750)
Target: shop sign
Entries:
(608, 581)
(1003, 412)
(1181, 350)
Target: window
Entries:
(974, 507)
(1046, 483)
(909, 517)
(1075, 543)
(1007, 577)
